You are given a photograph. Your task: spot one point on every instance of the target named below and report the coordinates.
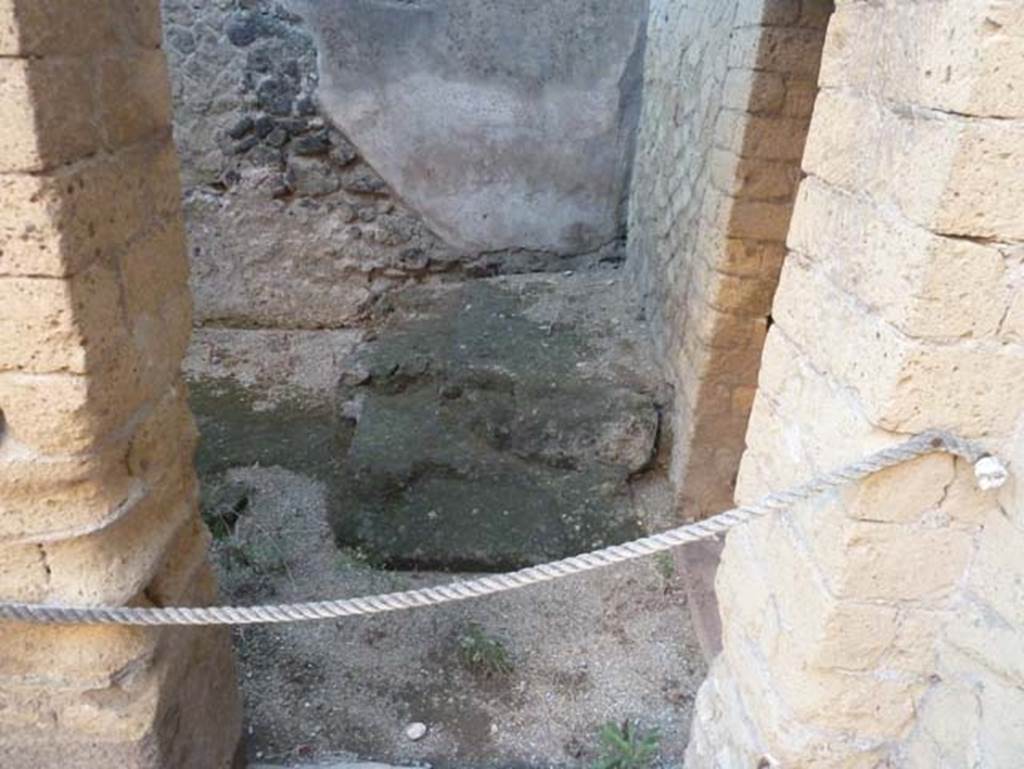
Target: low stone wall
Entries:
(729, 89)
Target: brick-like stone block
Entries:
(73, 325)
(946, 287)
(756, 13)
(756, 219)
(71, 656)
(39, 28)
(965, 170)
(767, 137)
(903, 384)
(137, 22)
(754, 91)
(871, 561)
(46, 119)
(44, 498)
(134, 97)
(901, 494)
(964, 58)
(57, 223)
(112, 565)
(800, 98)
(753, 178)
(791, 50)
(154, 267)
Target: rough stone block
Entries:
(798, 624)
(945, 287)
(165, 439)
(185, 560)
(965, 170)
(112, 565)
(871, 561)
(38, 27)
(956, 57)
(858, 144)
(873, 707)
(134, 97)
(72, 413)
(901, 494)
(57, 223)
(903, 384)
(985, 189)
(43, 498)
(48, 497)
(802, 422)
(71, 656)
(70, 325)
(47, 121)
(1012, 327)
(995, 573)
(140, 720)
(154, 267)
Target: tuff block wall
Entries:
(882, 626)
(728, 93)
(97, 491)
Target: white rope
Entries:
(989, 471)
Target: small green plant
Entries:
(222, 506)
(665, 565)
(625, 746)
(483, 654)
(259, 556)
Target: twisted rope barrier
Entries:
(989, 472)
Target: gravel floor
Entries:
(608, 646)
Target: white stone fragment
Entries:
(416, 731)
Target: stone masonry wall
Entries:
(290, 227)
(882, 626)
(729, 90)
(97, 491)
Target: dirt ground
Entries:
(608, 646)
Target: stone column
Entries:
(884, 625)
(98, 498)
